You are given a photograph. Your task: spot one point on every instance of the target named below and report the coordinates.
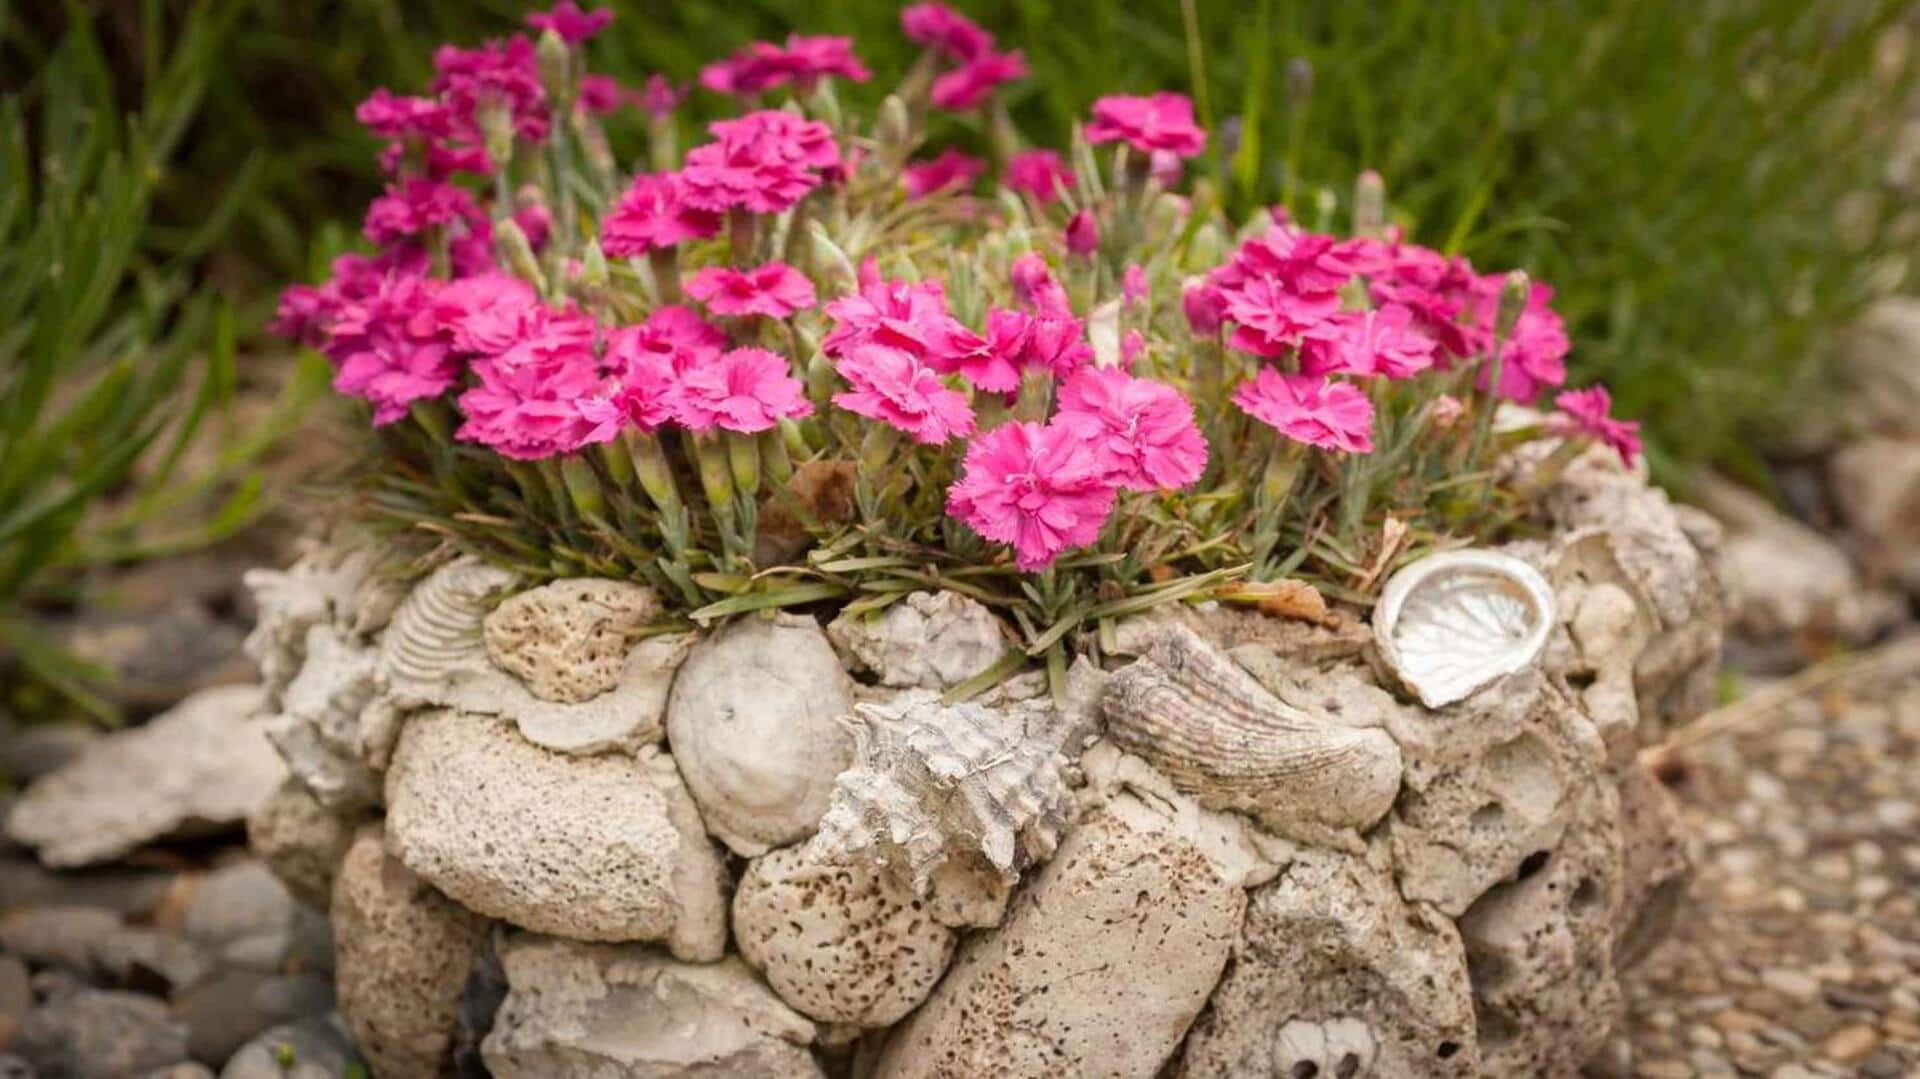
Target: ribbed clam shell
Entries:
(1207, 725)
(435, 636)
(1452, 623)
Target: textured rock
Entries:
(840, 943)
(755, 723)
(403, 951)
(317, 728)
(1105, 958)
(1655, 867)
(196, 770)
(929, 640)
(1876, 487)
(153, 960)
(243, 915)
(597, 1010)
(337, 585)
(80, 1033)
(317, 1048)
(1879, 363)
(589, 848)
(1337, 975)
(300, 841)
(567, 641)
(63, 936)
(231, 1007)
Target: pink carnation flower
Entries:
(944, 30)
(1035, 285)
(572, 24)
(647, 361)
(746, 390)
(500, 74)
(1040, 173)
(1306, 408)
(1041, 489)
(1205, 307)
(1163, 121)
(951, 169)
(775, 290)
(762, 162)
(601, 95)
(388, 350)
(990, 361)
(654, 213)
(1382, 341)
(1057, 344)
(391, 116)
(413, 206)
(1589, 413)
(544, 396)
(972, 83)
(1083, 233)
(1143, 430)
(1309, 263)
(803, 61)
(1269, 318)
(1133, 284)
(911, 316)
(486, 314)
(897, 389)
(1534, 359)
(661, 97)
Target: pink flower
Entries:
(804, 61)
(1589, 413)
(944, 30)
(762, 162)
(388, 349)
(486, 314)
(654, 213)
(1040, 173)
(1269, 318)
(1306, 408)
(413, 206)
(1205, 307)
(601, 94)
(1041, 489)
(536, 221)
(991, 361)
(572, 24)
(501, 75)
(897, 389)
(1083, 233)
(1057, 344)
(1377, 342)
(647, 361)
(1535, 355)
(969, 85)
(911, 316)
(1035, 285)
(391, 116)
(1142, 430)
(543, 396)
(305, 312)
(1445, 411)
(950, 169)
(1133, 284)
(1166, 168)
(775, 290)
(661, 97)
(1308, 263)
(1163, 121)
(746, 390)
(1132, 344)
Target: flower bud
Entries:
(893, 131)
(830, 261)
(1369, 204)
(555, 60)
(496, 131)
(593, 267)
(1514, 295)
(1083, 234)
(514, 250)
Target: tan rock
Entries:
(300, 841)
(568, 640)
(928, 640)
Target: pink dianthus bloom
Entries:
(661, 97)
(803, 61)
(898, 314)
(1040, 173)
(1205, 307)
(306, 312)
(1589, 413)
(775, 290)
(1041, 489)
(647, 361)
(944, 30)
(601, 95)
(1535, 355)
(1270, 318)
(544, 396)
(746, 390)
(388, 349)
(392, 116)
(951, 169)
(762, 162)
(1133, 284)
(1035, 286)
(972, 83)
(653, 213)
(1382, 342)
(1142, 430)
(572, 24)
(1083, 233)
(897, 389)
(486, 314)
(1310, 409)
(990, 361)
(1057, 344)
(1309, 263)
(501, 75)
(412, 206)
(1161, 122)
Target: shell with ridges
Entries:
(1217, 734)
(1454, 622)
(435, 641)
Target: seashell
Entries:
(959, 798)
(1451, 623)
(1217, 734)
(434, 643)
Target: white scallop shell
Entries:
(1454, 622)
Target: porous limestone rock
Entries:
(1606, 623)
(929, 640)
(954, 800)
(847, 943)
(1336, 974)
(567, 641)
(1876, 487)
(1655, 866)
(756, 725)
(402, 952)
(317, 728)
(300, 841)
(590, 848)
(195, 770)
(1105, 957)
(594, 1011)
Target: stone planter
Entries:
(1240, 850)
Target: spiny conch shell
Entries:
(1452, 623)
(1217, 734)
(434, 643)
(934, 785)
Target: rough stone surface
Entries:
(595, 1010)
(61, 935)
(1880, 365)
(1876, 487)
(198, 769)
(317, 728)
(588, 848)
(567, 641)
(242, 914)
(1337, 975)
(756, 726)
(81, 1033)
(300, 841)
(227, 1009)
(840, 943)
(929, 640)
(402, 954)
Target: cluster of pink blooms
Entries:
(433, 315)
